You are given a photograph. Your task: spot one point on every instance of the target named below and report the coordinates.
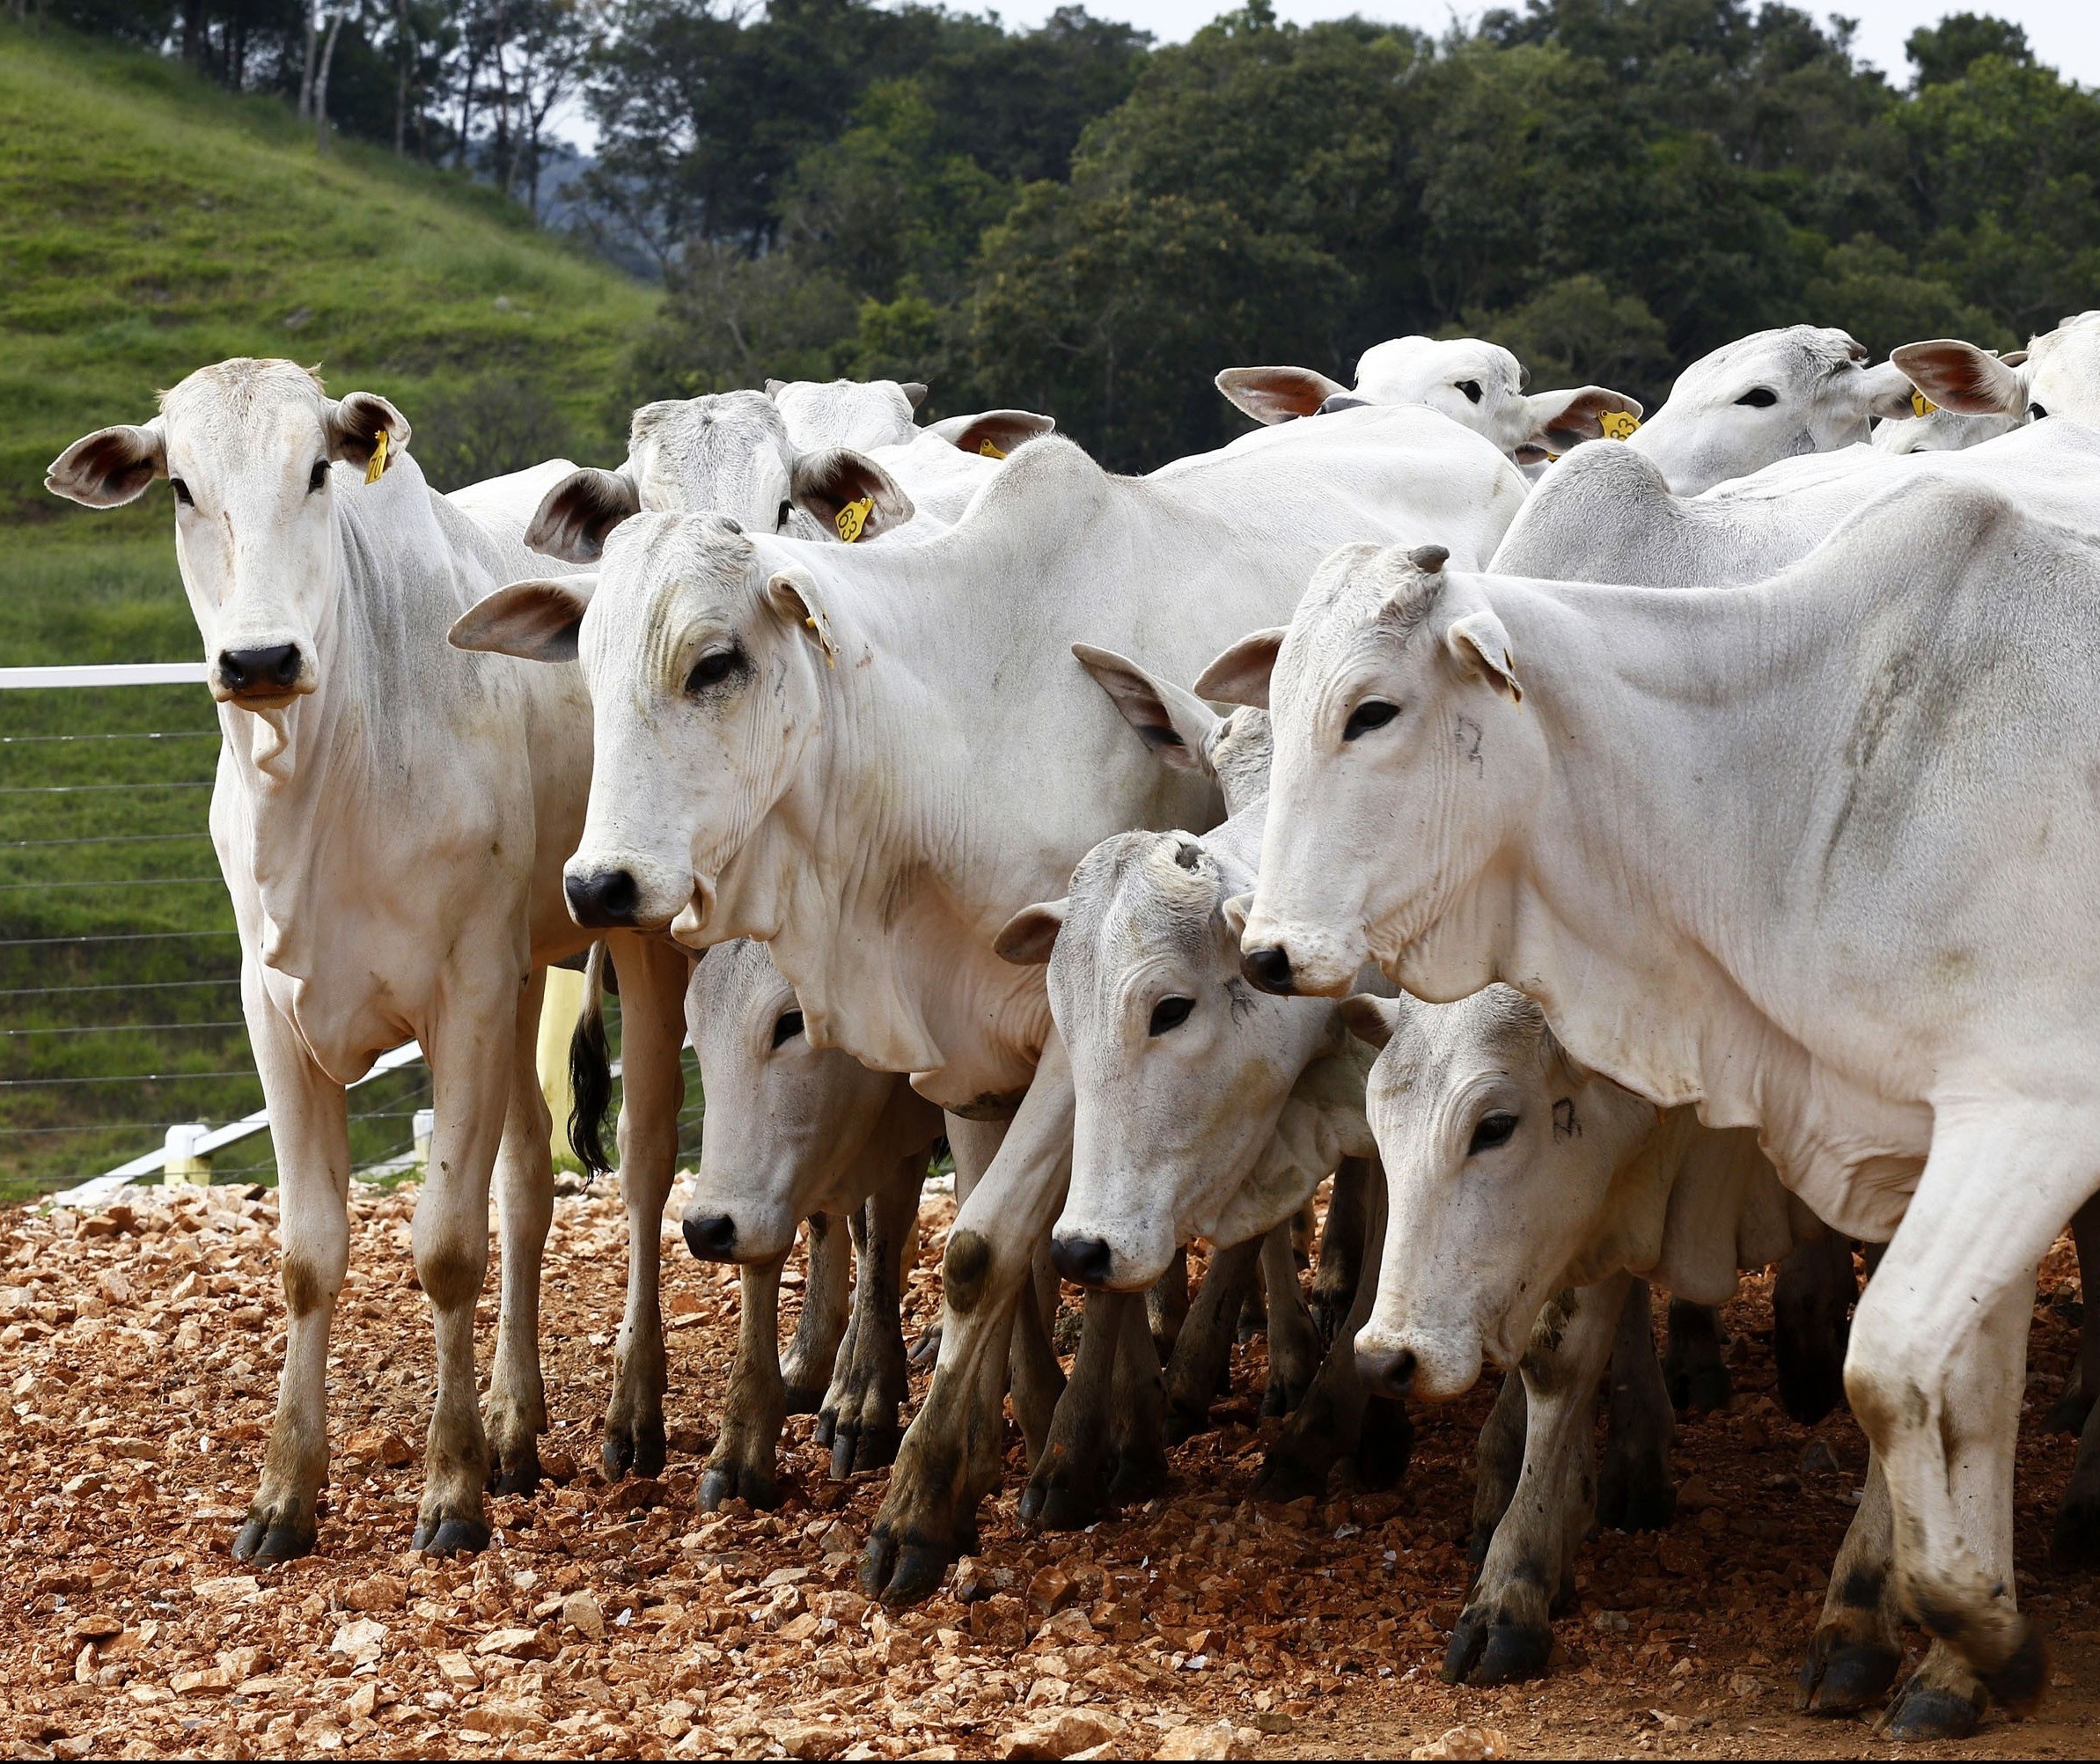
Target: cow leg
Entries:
(1166, 1303)
(653, 978)
(1138, 1414)
(871, 1383)
(1335, 1280)
(1338, 1417)
(1854, 1654)
(1505, 1633)
(1636, 1492)
(310, 1128)
(1811, 1305)
(515, 1414)
(1204, 1349)
(1693, 1367)
(1295, 1344)
(1035, 1380)
(951, 1453)
(743, 1464)
(823, 1332)
(2075, 1542)
(1498, 1462)
(1937, 1364)
(1067, 1486)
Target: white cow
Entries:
(1761, 850)
(2057, 375)
(1480, 385)
(870, 755)
(391, 819)
(1936, 430)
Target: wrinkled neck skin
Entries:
(1606, 906)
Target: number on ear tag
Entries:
(991, 450)
(378, 459)
(852, 519)
(1617, 424)
(1921, 405)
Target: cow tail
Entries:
(590, 1071)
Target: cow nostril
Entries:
(711, 1237)
(1269, 969)
(278, 665)
(605, 897)
(1387, 1373)
(1084, 1261)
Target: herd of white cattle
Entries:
(1659, 848)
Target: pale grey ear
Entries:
(1560, 421)
(536, 620)
(1174, 724)
(357, 422)
(1277, 394)
(1478, 643)
(574, 517)
(775, 387)
(1958, 376)
(1370, 1018)
(832, 483)
(1889, 390)
(792, 594)
(1241, 675)
(1235, 911)
(1027, 938)
(915, 390)
(110, 467)
(992, 433)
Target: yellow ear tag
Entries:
(378, 459)
(1617, 424)
(831, 655)
(1922, 406)
(852, 518)
(991, 450)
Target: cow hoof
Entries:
(2018, 1682)
(1286, 1476)
(902, 1575)
(1060, 1509)
(721, 1482)
(1384, 1443)
(805, 1399)
(924, 1352)
(1700, 1388)
(1932, 1712)
(452, 1536)
(639, 1451)
(1636, 1498)
(1811, 1385)
(1483, 1651)
(1842, 1676)
(865, 1447)
(2067, 1414)
(1282, 1396)
(2075, 1541)
(1184, 1424)
(261, 1540)
(521, 1477)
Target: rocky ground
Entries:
(139, 1345)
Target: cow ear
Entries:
(1958, 376)
(574, 517)
(1174, 724)
(993, 433)
(915, 390)
(110, 467)
(792, 594)
(848, 494)
(775, 387)
(1370, 1018)
(1276, 394)
(1562, 420)
(1236, 910)
(1889, 392)
(1027, 938)
(1481, 645)
(357, 422)
(536, 620)
(1241, 675)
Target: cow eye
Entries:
(1373, 713)
(2036, 413)
(1492, 1130)
(317, 477)
(780, 520)
(788, 1028)
(713, 668)
(182, 493)
(1471, 389)
(1170, 1013)
(1759, 397)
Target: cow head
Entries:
(709, 670)
(1504, 1161)
(248, 448)
(787, 1123)
(1404, 762)
(848, 413)
(2058, 374)
(1768, 397)
(1940, 430)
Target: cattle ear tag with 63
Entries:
(852, 520)
(1618, 425)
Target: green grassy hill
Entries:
(150, 223)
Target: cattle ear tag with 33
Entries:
(991, 450)
(378, 459)
(1618, 425)
(852, 520)
(1922, 405)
